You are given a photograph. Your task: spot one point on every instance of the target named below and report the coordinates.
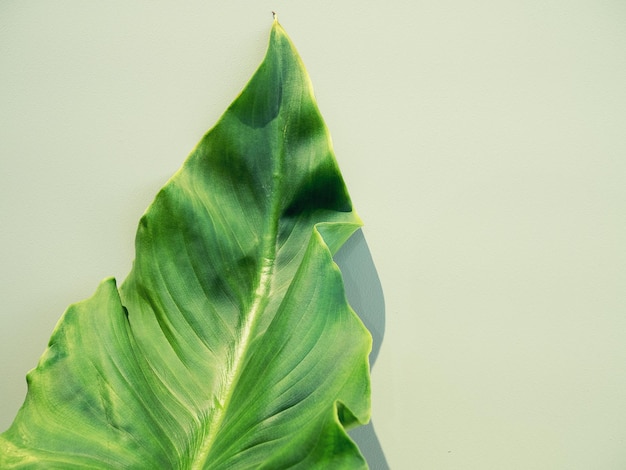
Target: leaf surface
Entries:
(230, 345)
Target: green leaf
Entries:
(231, 344)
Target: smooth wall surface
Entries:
(484, 145)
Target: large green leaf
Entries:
(230, 345)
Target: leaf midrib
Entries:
(260, 301)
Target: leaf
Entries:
(230, 345)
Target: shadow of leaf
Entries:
(365, 294)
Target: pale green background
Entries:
(484, 145)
